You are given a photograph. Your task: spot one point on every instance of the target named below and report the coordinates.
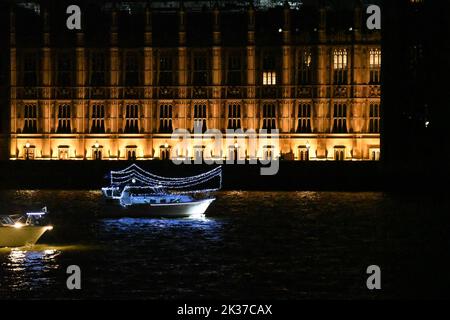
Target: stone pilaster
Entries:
(114, 122)
(147, 113)
(251, 106)
(179, 111)
(214, 113)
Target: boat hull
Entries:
(19, 237)
(184, 209)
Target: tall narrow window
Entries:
(269, 76)
(132, 119)
(98, 119)
(304, 67)
(234, 116)
(374, 118)
(30, 119)
(165, 71)
(269, 117)
(165, 118)
(304, 118)
(340, 71)
(30, 70)
(164, 152)
(98, 69)
(375, 65)
(303, 153)
(64, 70)
(131, 69)
(200, 70)
(97, 152)
(339, 153)
(131, 153)
(64, 119)
(234, 75)
(200, 117)
(340, 118)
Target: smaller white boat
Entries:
(153, 201)
(15, 233)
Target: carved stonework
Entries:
(200, 92)
(30, 93)
(131, 93)
(340, 92)
(63, 93)
(148, 92)
(234, 92)
(269, 92)
(304, 92)
(375, 91)
(165, 92)
(98, 93)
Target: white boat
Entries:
(144, 201)
(140, 193)
(15, 233)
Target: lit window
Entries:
(269, 78)
(29, 152)
(268, 67)
(268, 152)
(375, 65)
(374, 154)
(63, 152)
(304, 67)
(340, 72)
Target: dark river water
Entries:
(254, 245)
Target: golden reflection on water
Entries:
(28, 268)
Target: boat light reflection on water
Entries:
(200, 222)
(27, 269)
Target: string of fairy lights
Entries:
(136, 177)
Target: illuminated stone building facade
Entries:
(117, 88)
